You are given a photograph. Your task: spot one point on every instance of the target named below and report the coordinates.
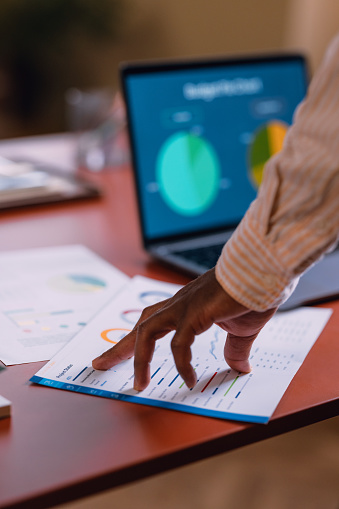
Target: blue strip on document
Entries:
(260, 419)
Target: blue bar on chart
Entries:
(80, 373)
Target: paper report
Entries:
(47, 295)
(276, 356)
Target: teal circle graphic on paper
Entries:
(77, 283)
(188, 174)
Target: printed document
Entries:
(47, 295)
(276, 356)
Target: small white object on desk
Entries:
(5, 407)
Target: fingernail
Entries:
(193, 383)
(247, 368)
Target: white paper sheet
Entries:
(276, 356)
(47, 295)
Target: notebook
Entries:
(201, 132)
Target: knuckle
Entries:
(176, 345)
(146, 312)
(142, 328)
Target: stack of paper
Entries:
(26, 183)
(69, 302)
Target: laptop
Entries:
(201, 132)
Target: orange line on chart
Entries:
(105, 337)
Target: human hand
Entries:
(189, 312)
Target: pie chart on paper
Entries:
(188, 174)
(77, 283)
(267, 141)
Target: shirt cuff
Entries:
(250, 272)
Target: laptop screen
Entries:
(201, 133)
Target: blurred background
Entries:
(49, 47)
(52, 49)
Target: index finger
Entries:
(125, 348)
(118, 353)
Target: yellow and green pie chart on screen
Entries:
(267, 141)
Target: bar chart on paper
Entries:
(220, 391)
(77, 283)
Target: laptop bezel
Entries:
(128, 69)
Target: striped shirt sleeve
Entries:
(295, 217)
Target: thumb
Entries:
(237, 351)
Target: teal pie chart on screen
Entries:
(188, 173)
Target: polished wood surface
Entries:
(58, 446)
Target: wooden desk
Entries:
(58, 445)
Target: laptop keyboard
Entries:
(206, 256)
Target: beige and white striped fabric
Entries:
(295, 218)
